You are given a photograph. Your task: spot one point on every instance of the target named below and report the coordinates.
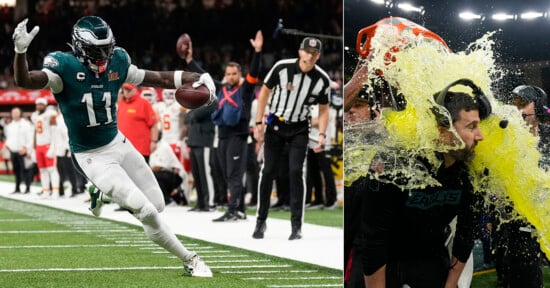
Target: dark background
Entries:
(522, 46)
(148, 30)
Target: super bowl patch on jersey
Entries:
(50, 62)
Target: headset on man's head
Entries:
(483, 103)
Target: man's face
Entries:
(308, 58)
(467, 127)
(128, 93)
(359, 112)
(529, 114)
(15, 114)
(232, 75)
(40, 108)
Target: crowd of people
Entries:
(219, 30)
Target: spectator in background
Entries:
(19, 141)
(517, 251)
(173, 131)
(168, 170)
(137, 120)
(200, 140)
(65, 167)
(319, 165)
(45, 126)
(252, 165)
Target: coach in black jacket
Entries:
(405, 229)
(200, 139)
(232, 146)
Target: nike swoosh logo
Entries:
(236, 157)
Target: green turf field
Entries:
(47, 247)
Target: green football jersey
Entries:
(88, 100)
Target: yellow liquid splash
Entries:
(508, 156)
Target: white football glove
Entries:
(21, 38)
(206, 79)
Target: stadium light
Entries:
(9, 3)
(503, 17)
(410, 8)
(531, 15)
(467, 15)
(378, 1)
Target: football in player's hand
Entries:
(182, 45)
(192, 98)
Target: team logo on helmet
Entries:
(93, 42)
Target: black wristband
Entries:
(259, 123)
(324, 135)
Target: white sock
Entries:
(160, 233)
(45, 180)
(54, 178)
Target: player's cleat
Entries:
(96, 201)
(196, 267)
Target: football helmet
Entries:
(150, 94)
(531, 93)
(93, 42)
(168, 96)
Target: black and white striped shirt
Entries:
(294, 91)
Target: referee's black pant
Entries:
(277, 136)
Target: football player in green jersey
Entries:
(85, 83)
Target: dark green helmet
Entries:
(93, 42)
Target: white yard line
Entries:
(20, 220)
(251, 266)
(293, 278)
(89, 269)
(58, 231)
(237, 261)
(216, 256)
(73, 246)
(269, 271)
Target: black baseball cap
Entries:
(311, 43)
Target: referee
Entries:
(295, 85)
